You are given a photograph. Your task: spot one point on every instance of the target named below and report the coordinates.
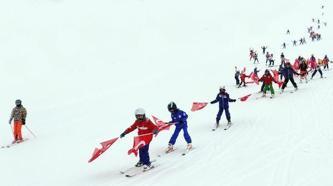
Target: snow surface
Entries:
(83, 67)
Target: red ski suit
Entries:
(144, 127)
(267, 79)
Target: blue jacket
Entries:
(223, 99)
(179, 118)
(288, 72)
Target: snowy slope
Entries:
(83, 67)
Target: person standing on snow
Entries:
(303, 67)
(267, 80)
(314, 66)
(264, 49)
(255, 58)
(223, 99)
(19, 114)
(237, 73)
(179, 119)
(242, 77)
(145, 127)
(288, 73)
(325, 62)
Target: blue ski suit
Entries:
(179, 117)
(223, 99)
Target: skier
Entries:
(255, 56)
(283, 58)
(316, 68)
(271, 60)
(288, 73)
(237, 73)
(19, 114)
(284, 45)
(303, 70)
(242, 77)
(223, 99)
(255, 71)
(263, 49)
(179, 119)
(288, 31)
(294, 43)
(325, 62)
(251, 54)
(267, 80)
(280, 70)
(145, 127)
(267, 57)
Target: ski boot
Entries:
(189, 147)
(139, 164)
(170, 148)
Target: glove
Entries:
(155, 132)
(23, 121)
(233, 100)
(122, 135)
(211, 102)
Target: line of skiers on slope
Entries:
(286, 72)
(178, 118)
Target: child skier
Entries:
(267, 80)
(237, 73)
(179, 119)
(325, 62)
(19, 113)
(303, 71)
(314, 66)
(145, 127)
(288, 73)
(223, 99)
(242, 77)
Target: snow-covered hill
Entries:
(83, 67)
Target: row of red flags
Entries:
(142, 140)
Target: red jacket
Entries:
(267, 79)
(144, 127)
(243, 76)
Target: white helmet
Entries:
(140, 111)
(222, 87)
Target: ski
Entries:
(228, 126)
(13, 144)
(133, 168)
(187, 151)
(139, 171)
(216, 127)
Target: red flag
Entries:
(280, 83)
(244, 98)
(276, 75)
(160, 124)
(198, 106)
(255, 78)
(140, 141)
(105, 146)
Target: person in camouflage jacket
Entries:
(19, 113)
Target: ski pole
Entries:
(30, 131)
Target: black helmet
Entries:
(172, 106)
(266, 71)
(18, 102)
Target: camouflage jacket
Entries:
(18, 114)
